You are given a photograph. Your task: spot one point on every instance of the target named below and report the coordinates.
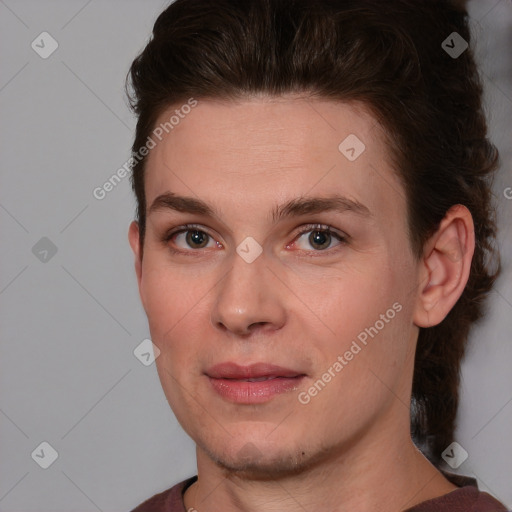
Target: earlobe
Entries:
(445, 267)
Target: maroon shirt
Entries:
(465, 499)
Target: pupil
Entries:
(198, 238)
(319, 238)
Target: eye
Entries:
(187, 237)
(190, 237)
(320, 238)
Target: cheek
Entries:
(160, 301)
(359, 371)
(176, 308)
(173, 307)
(368, 315)
(168, 295)
(355, 299)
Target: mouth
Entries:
(260, 379)
(252, 384)
(252, 372)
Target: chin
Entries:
(257, 461)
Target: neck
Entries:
(383, 471)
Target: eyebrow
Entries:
(293, 208)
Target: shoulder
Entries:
(170, 500)
(465, 499)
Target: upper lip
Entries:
(230, 370)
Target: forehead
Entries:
(269, 150)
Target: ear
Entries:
(133, 238)
(444, 267)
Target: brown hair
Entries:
(387, 55)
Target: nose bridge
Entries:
(247, 295)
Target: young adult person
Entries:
(312, 245)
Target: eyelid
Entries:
(168, 235)
(183, 228)
(307, 228)
(302, 230)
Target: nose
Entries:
(250, 298)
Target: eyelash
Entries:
(306, 229)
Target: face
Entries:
(280, 291)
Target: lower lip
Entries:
(244, 392)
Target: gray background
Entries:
(70, 323)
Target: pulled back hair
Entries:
(387, 55)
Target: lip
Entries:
(232, 370)
(229, 380)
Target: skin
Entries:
(296, 305)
